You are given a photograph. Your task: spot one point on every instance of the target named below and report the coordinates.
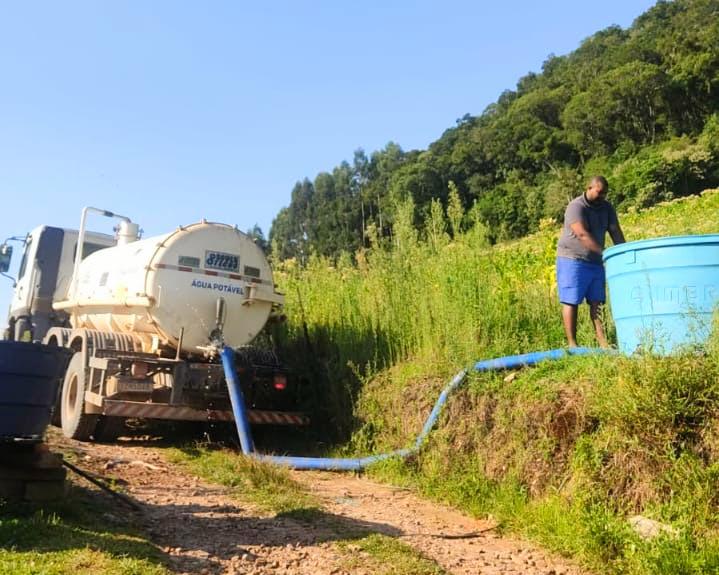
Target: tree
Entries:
(255, 232)
(627, 104)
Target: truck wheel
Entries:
(76, 424)
(109, 428)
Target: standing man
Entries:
(580, 273)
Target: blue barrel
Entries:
(663, 291)
(29, 377)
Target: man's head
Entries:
(597, 189)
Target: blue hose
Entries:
(351, 464)
(239, 409)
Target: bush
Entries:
(660, 173)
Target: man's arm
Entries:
(585, 237)
(616, 233)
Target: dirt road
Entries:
(205, 529)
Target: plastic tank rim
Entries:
(663, 242)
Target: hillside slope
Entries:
(564, 453)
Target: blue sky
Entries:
(169, 112)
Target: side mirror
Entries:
(5, 257)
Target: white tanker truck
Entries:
(145, 318)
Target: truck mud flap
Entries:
(145, 410)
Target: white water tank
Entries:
(161, 286)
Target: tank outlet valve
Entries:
(216, 337)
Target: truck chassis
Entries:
(109, 380)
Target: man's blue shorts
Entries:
(578, 280)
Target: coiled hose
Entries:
(355, 464)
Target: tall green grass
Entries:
(563, 453)
(444, 302)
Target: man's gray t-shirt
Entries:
(596, 218)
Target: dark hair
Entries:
(600, 179)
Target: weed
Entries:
(269, 487)
(384, 555)
(79, 535)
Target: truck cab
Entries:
(44, 277)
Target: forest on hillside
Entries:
(640, 106)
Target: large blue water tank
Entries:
(29, 377)
(663, 291)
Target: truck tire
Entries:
(76, 424)
(108, 428)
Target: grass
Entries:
(443, 303)
(80, 535)
(563, 453)
(383, 555)
(271, 488)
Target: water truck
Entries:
(144, 319)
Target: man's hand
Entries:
(586, 238)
